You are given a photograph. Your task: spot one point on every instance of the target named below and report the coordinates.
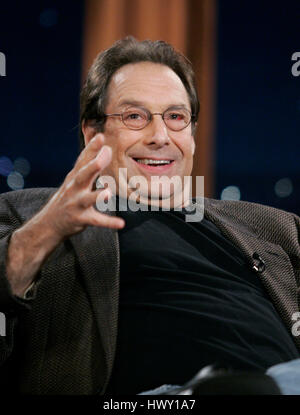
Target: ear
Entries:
(88, 131)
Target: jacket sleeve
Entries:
(297, 221)
(297, 257)
(10, 305)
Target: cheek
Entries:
(115, 142)
(119, 148)
(187, 146)
(193, 147)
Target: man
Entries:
(97, 302)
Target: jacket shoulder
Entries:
(266, 221)
(25, 202)
(244, 206)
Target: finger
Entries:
(94, 198)
(95, 218)
(90, 151)
(107, 221)
(88, 172)
(104, 157)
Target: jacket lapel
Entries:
(97, 252)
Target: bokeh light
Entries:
(48, 18)
(231, 193)
(22, 166)
(15, 180)
(283, 187)
(6, 166)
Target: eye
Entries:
(176, 116)
(134, 116)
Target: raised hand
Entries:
(68, 211)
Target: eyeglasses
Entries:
(138, 118)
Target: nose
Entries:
(157, 132)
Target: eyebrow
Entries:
(142, 104)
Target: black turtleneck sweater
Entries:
(188, 299)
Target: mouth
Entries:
(154, 165)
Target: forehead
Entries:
(150, 83)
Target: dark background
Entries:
(258, 98)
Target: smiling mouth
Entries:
(153, 162)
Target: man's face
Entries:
(154, 87)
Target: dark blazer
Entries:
(63, 340)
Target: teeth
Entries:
(149, 161)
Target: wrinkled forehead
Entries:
(147, 82)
